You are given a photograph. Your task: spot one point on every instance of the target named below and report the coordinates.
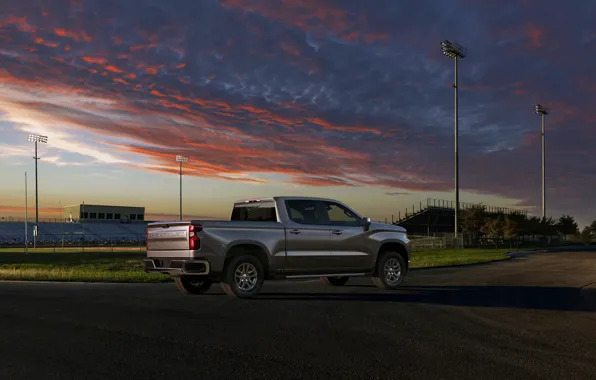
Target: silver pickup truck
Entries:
(279, 237)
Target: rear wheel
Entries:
(335, 281)
(193, 284)
(243, 277)
(390, 271)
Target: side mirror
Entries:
(366, 223)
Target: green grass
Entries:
(430, 258)
(100, 266)
(69, 266)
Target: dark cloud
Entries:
(335, 93)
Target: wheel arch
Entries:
(393, 246)
(249, 248)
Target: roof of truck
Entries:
(284, 198)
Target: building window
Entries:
(110, 215)
(92, 215)
(102, 215)
(133, 216)
(85, 215)
(116, 216)
(140, 217)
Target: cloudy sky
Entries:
(345, 99)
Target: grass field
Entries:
(126, 266)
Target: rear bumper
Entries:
(177, 267)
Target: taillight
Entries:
(194, 242)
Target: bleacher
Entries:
(13, 233)
(436, 216)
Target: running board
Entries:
(326, 275)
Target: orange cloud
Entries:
(306, 13)
(114, 69)
(80, 36)
(97, 60)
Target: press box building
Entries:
(103, 213)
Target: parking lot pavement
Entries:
(533, 317)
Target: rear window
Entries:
(255, 212)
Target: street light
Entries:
(181, 159)
(455, 52)
(37, 139)
(542, 111)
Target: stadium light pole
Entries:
(542, 111)
(456, 52)
(181, 159)
(37, 139)
(26, 217)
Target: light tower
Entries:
(37, 139)
(542, 111)
(455, 52)
(181, 159)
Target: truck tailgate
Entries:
(168, 236)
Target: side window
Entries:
(339, 215)
(303, 212)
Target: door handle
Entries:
(337, 232)
(295, 232)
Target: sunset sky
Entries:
(339, 99)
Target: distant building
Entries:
(103, 213)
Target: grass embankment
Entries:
(101, 266)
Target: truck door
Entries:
(348, 249)
(307, 239)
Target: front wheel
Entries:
(335, 281)
(390, 271)
(243, 277)
(193, 284)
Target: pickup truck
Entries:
(278, 238)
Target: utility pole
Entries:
(456, 52)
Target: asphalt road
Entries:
(528, 318)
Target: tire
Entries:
(254, 276)
(335, 281)
(388, 265)
(193, 284)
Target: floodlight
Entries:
(180, 158)
(38, 138)
(541, 110)
(453, 50)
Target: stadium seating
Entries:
(13, 233)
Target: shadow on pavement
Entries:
(523, 297)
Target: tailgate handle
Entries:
(295, 232)
(337, 232)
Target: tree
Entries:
(510, 229)
(592, 228)
(567, 225)
(548, 226)
(586, 235)
(473, 219)
(521, 222)
(533, 225)
(494, 229)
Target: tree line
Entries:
(481, 226)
